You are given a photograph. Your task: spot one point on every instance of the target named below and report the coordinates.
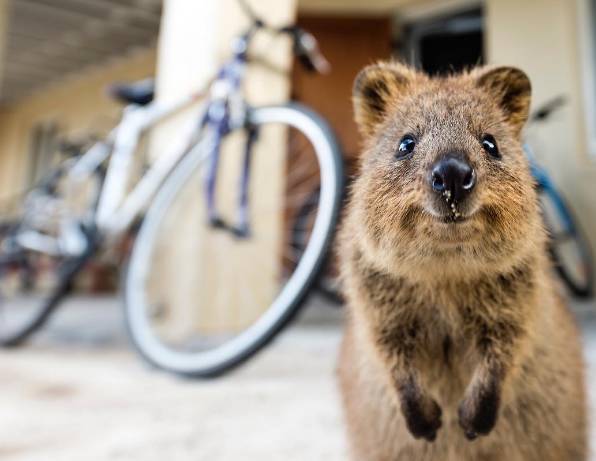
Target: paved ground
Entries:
(79, 393)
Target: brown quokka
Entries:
(458, 346)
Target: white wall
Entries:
(542, 38)
(78, 105)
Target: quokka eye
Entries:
(490, 146)
(406, 146)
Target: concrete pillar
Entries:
(211, 279)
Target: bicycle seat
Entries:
(140, 93)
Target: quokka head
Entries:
(443, 171)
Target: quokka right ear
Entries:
(512, 90)
(377, 88)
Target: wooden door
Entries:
(349, 44)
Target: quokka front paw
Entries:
(423, 417)
(478, 412)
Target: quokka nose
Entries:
(453, 177)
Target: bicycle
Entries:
(568, 246)
(181, 195)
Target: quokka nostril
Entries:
(437, 182)
(469, 180)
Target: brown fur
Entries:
(457, 346)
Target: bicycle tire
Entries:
(279, 313)
(579, 288)
(69, 269)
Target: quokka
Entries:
(458, 346)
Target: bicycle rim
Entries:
(31, 289)
(569, 248)
(35, 273)
(201, 307)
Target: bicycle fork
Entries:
(241, 228)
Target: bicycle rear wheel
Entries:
(201, 299)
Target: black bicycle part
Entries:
(67, 271)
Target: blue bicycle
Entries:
(569, 248)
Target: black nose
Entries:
(453, 177)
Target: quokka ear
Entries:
(376, 89)
(512, 89)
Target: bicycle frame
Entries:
(116, 210)
(222, 108)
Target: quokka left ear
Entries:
(512, 89)
(376, 89)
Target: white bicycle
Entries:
(212, 275)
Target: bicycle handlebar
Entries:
(305, 46)
(546, 110)
(306, 49)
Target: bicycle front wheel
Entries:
(200, 298)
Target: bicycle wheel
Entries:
(32, 283)
(214, 298)
(35, 273)
(569, 248)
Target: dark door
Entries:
(446, 43)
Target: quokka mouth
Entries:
(446, 217)
(453, 218)
(451, 211)
(455, 215)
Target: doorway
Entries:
(445, 44)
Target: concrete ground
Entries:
(78, 392)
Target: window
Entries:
(587, 18)
(42, 150)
